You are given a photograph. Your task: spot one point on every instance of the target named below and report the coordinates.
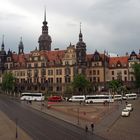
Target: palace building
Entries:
(49, 70)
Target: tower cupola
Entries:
(44, 39)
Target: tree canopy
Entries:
(8, 82)
(136, 68)
(115, 85)
(80, 82)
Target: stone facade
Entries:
(53, 71)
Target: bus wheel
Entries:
(91, 102)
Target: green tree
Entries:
(80, 83)
(136, 69)
(115, 86)
(8, 82)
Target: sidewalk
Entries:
(8, 130)
(103, 125)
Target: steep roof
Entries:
(123, 60)
(56, 55)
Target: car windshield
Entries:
(125, 110)
(129, 105)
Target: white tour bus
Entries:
(98, 99)
(130, 96)
(77, 98)
(32, 96)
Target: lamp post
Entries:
(16, 128)
(78, 116)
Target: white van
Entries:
(118, 97)
(77, 98)
(130, 96)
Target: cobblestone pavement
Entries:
(8, 130)
(126, 128)
(108, 122)
(81, 115)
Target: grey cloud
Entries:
(113, 25)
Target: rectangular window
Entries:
(67, 79)
(98, 72)
(29, 65)
(58, 80)
(112, 72)
(125, 78)
(90, 72)
(59, 72)
(94, 72)
(67, 71)
(36, 65)
(94, 79)
(50, 72)
(42, 64)
(50, 80)
(58, 88)
(125, 72)
(132, 79)
(98, 79)
(90, 79)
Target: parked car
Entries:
(125, 113)
(55, 99)
(129, 107)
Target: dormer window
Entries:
(30, 59)
(118, 65)
(96, 57)
(8, 58)
(42, 58)
(35, 58)
(113, 65)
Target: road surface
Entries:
(41, 126)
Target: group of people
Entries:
(92, 127)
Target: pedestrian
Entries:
(92, 127)
(126, 102)
(86, 128)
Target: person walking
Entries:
(92, 127)
(86, 128)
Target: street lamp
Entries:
(16, 128)
(78, 116)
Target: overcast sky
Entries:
(111, 25)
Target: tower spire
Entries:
(80, 34)
(80, 27)
(2, 46)
(45, 22)
(20, 47)
(45, 14)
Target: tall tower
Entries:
(20, 47)
(81, 50)
(44, 39)
(2, 52)
(2, 56)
